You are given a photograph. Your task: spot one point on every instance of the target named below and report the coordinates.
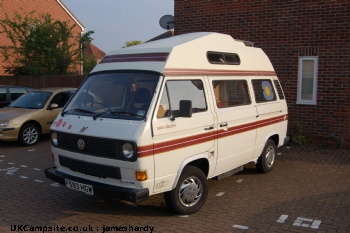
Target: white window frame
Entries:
(315, 78)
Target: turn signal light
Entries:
(141, 175)
(53, 157)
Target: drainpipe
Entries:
(81, 56)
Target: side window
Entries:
(182, 90)
(223, 58)
(263, 90)
(164, 108)
(279, 89)
(61, 99)
(230, 93)
(16, 92)
(2, 94)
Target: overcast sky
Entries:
(118, 21)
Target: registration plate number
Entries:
(79, 186)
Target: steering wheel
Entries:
(102, 104)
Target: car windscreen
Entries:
(121, 95)
(32, 100)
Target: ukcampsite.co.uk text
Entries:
(54, 228)
(104, 228)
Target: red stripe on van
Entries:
(135, 57)
(250, 126)
(183, 142)
(144, 151)
(218, 72)
(162, 147)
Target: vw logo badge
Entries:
(81, 144)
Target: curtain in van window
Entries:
(230, 93)
(263, 90)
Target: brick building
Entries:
(55, 8)
(308, 43)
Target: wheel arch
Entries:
(34, 123)
(200, 161)
(275, 138)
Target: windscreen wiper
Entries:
(99, 114)
(78, 110)
(125, 113)
(116, 113)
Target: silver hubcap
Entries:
(30, 135)
(270, 156)
(190, 191)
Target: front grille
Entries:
(94, 146)
(100, 147)
(92, 169)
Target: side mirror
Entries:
(185, 108)
(53, 106)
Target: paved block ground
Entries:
(308, 191)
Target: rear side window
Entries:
(16, 92)
(181, 90)
(279, 89)
(230, 93)
(2, 94)
(223, 58)
(263, 90)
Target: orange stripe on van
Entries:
(175, 71)
(162, 147)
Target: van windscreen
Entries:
(123, 95)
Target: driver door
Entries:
(177, 139)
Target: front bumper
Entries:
(9, 134)
(127, 194)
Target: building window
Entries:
(307, 80)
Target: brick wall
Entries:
(286, 30)
(40, 7)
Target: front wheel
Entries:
(29, 135)
(190, 193)
(266, 160)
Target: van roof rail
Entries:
(246, 42)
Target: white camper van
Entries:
(166, 116)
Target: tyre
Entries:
(190, 193)
(266, 160)
(29, 135)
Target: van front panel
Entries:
(100, 131)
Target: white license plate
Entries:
(79, 186)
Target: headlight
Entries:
(4, 123)
(54, 140)
(128, 150)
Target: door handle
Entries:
(209, 128)
(223, 124)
